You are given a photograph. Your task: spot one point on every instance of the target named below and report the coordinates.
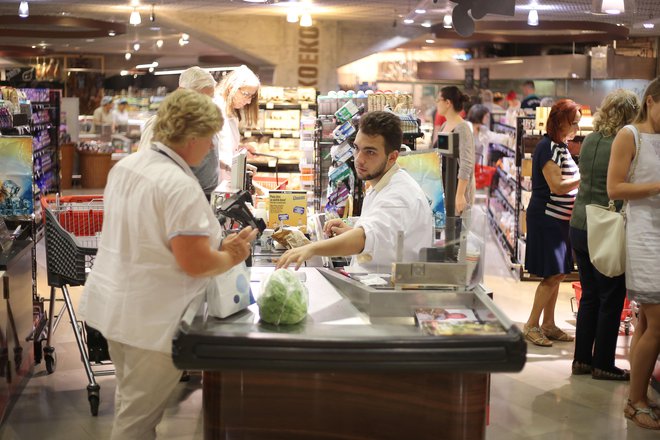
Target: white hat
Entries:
(106, 100)
(196, 78)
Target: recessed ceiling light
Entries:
(447, 22)
(112, 33)
(613, 7)
(127, 55)
(123, 72)
(23, 10)
(34, 47)
(430, 41)
(154, 28)
(159, 43)
(426, 24)
(533, 17)
(648, 25)
(136, 46)
(420, 11)
(408, 21)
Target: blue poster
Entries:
(424, 167)
(16, 198)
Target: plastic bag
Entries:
(284, 298)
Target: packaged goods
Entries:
(284, 299)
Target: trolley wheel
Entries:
(51, 359)
(37, 351)
(93, 395)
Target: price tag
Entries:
(277, 134)
(304, 105)
(270, 105)
(247, 133)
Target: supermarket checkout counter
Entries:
(357, 367)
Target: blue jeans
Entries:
(599, 313)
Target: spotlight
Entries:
(408, 21)
(127, 55)
(533, 17)
(613, 7)
(111, 33)
(152, 17)
(447, 22)
(420, 11)
(136, 46)
(135, 18)
(426, 24)
(159, 44)
(23, 10)
(292, 16)
(306, 20)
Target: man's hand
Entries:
(295, 256)
(237, 246)
(335, 227)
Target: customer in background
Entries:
(103, 117)
(513, 109)
(599, 312)
(237, 95)
(555, 179)
(530, 100)
(197, 79)
(633, 176)
(498, 103)
(120, 116)
(394, 202)
(479, 117)
(147, 271)
(450, 103)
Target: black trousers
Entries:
(599, 313)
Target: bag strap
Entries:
(631, 173)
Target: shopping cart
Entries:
(626, 314)
(73, 228)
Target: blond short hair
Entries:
(619, 108)
(185, 114)
(228, 88)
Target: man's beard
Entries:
(375, 175)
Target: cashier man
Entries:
(393, 203)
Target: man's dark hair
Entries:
(529, 83)
(386, 124)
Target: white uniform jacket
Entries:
(395, 203)
(136, 291)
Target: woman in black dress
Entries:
(555, 179)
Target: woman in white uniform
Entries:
(159, 245)
(237, 95)
(120, 117)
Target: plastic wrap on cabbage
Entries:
(283, 299)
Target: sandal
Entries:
(557, 334)
(599, 374)
(654, 406)
(632, 413)
(535, 336)
(580, 368)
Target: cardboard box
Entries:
(288, 208)
(526, 167)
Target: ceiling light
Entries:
(306, 19)
(292, 16)
(151, 70)
(136, 46)
(183, 42)
(648, 25)
(255, 1)
(430, 41)
(127, 55)
(147, 66)
(135, 3)
(208, 69)
(135, 18)
(426, 24)
(152, 17)
(408, 21)
(447, 22)
(111, 33)
(123, 72)
(34, 47)
(23, 10)
(613, 7)
(159, 43)
(420, 11)
(533, 17)
(185, 36)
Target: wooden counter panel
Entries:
(251, 405)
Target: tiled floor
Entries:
(542, 402)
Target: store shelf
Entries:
(504, 200)
(287, 106)
(511, 180)
(502, 149)
(283, 134)
(502, 240)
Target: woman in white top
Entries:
(479, 117)
(120, 117)
(636, 180)
(159, 245)
(237, 95)
(450, 103)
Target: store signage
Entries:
(308, 56)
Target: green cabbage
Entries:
(283, 299)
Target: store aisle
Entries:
(542, 402)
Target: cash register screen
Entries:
(238, 164)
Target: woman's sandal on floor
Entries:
(578, 368)
(557, 334)
(599, 374)
(632, 413)
(536, 336)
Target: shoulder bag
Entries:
(606, 230)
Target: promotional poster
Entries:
(425, 168)
(16, 199)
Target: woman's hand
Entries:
(461, 204)
(335, 227)
(237, 246)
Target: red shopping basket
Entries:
(483, 175)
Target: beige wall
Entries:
(294, 55)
